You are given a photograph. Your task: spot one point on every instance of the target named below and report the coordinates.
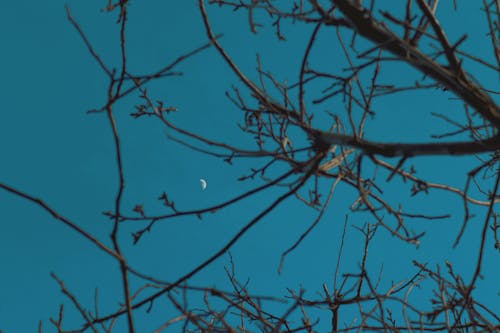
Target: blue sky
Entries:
(52, 149)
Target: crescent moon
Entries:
(203, 184)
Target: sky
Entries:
(53, 149)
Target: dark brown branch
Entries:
(364, 24)
(407, 149)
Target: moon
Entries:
(203, 184)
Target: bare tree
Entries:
(317, 132)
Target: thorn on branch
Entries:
(418, 187)
(167, 202)
(139, 209)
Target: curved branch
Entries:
(314, 162)
(472, 93)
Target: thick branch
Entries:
(365, 25)
(407, 149)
